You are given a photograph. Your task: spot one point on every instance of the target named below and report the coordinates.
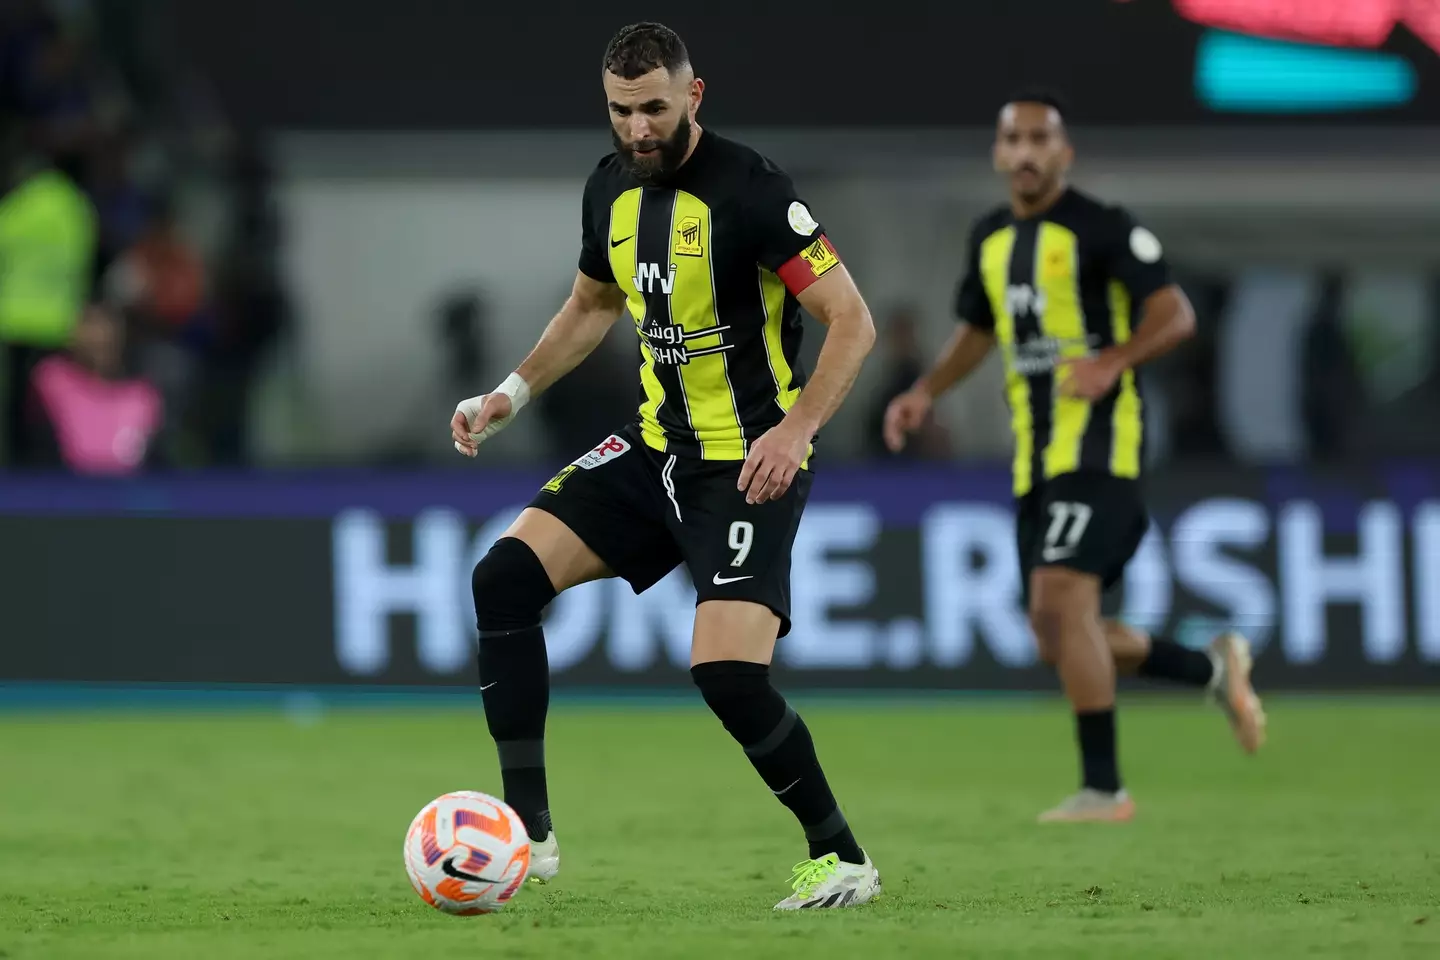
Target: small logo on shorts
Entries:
(602, 454)
(720, 581)
(558, 480)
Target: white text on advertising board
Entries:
(969, 585)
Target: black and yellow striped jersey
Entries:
(710, 264)
(1063, 284)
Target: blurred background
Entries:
(252, 254)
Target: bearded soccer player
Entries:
(1077, 295)
(710, 249)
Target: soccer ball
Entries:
(466, 853)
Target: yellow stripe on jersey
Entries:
(772, 296)
(705, 377)
(772, 299)
(995, 253)
(1128, 424)
(1057, 277)
(624, 224)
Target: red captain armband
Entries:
(809, 265)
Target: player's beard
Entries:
(669, 153)
(1040, 184)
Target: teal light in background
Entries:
(1243, 74)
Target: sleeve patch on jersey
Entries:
(1145, 245)
(800, 220)
(809, 265)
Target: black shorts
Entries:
(1087, 521)
(644, 513)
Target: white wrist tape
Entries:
(513, 387)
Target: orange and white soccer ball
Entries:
(467, 853)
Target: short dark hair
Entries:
(1041, 95)
(645, 46)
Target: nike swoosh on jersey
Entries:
(616, 243)
(720, 581)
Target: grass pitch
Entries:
(252, 835)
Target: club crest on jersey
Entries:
(687, 237)
(613, 447)
(1057, 265)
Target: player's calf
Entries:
(511, 589)
(1154, 658)
(779, 746)
(1065, 614)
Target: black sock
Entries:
(1096, 733)
(1169, 660)
(515, 684)
(779, 746)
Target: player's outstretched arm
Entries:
(574, 333)
(1167, 322)
(774, 459)
(1134, 257)
(966, 349)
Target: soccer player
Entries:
(1077, 295)
(713, 253)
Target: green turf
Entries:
(197, 837)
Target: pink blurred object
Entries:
(101, 426)
(1341, 23)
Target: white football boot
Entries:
(829, 882)
(1092, 806)
(544, 859)
(1231, 690)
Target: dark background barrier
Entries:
(445, 64)
(903, 578)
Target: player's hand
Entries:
(774, 460)
(904, 415)
(477, 419)
(1090, 378)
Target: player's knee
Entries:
(510, 587)
(1047, 620)
(1059, 602)
(1048, 628)
(724, 682)
(740, 695)
(1054, 602)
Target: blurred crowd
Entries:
(139, 280)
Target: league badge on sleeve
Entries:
(800, 220)
(1145, 245)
